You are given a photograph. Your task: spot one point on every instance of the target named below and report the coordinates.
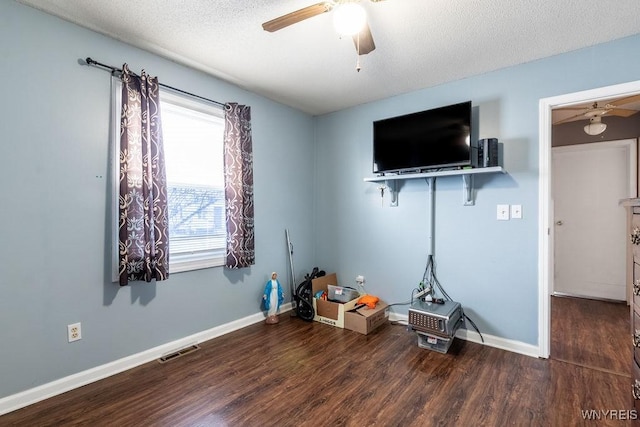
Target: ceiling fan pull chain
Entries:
(358, 54)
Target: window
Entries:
(193, 146)
(194, 154)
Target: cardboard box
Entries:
(331, 313)
(365, 320)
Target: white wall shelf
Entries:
(466, 174)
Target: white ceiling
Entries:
(419, 43)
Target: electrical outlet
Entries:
(74, 332)
(359, 279)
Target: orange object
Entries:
(369, 300)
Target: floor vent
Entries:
(175, 354)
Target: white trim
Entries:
(199, 261)
(489, 340)
(545, 264)
(62, 385)
(498, 342)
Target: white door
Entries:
(589, 180)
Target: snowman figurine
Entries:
(272, 299)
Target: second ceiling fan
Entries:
(347, 12)
(621, 107)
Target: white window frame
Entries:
(180, 262)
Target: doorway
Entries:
(545, 213)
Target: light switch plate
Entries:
(503, 213)
(516, 211)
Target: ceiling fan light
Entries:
(595, 126)
(349, 18)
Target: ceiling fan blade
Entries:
(627, 100)
(366, 41)
(621, 112)
(585, 109)
(297, 16)
(569, 119)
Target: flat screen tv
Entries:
(427, 140)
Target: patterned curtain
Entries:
(143, 222)
(238, 186)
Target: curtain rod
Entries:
(93, 62)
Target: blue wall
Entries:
(54, 188)
(489, 266)
(54, 225)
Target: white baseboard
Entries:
(45, 391)
(489, 340)
(54, 388)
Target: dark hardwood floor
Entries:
(309, 374)
(592, 334)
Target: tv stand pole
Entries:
(431, 182)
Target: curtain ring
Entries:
(227, 107)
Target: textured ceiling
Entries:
(419, 43)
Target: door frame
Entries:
(545, 213)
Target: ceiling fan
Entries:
(361, 36)
(595, 111)
(611, 108)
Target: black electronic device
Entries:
(485, 153)
(430, 139)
